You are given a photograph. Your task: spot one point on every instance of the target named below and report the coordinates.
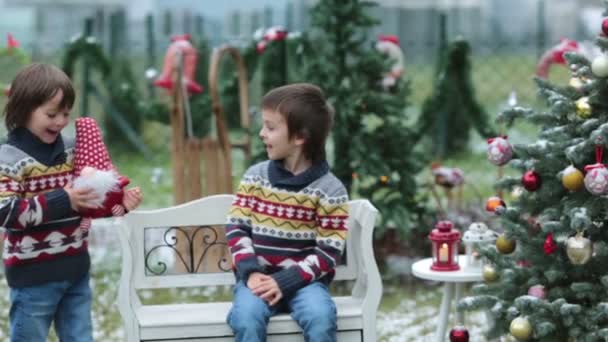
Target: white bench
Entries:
(207, 321)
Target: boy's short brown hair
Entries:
(307, 113)
(33, 86)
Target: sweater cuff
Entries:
(58, 204)
(289, 281)
(247, 266)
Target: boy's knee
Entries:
(319, 317)
(247, 316)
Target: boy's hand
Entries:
(132, 198)
(268, 290)
(255, 279)
(80, 198)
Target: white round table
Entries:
(454, 282)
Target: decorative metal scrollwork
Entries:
(209, 241)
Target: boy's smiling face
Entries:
(275, 136)
(47, 121)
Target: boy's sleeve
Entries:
(238, 231)
(19, 213)
(332, 217)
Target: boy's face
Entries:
(47, 121)
(275, 136)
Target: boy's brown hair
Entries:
(33, 86)
(307, 113)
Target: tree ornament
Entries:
(599, 66)
(505, 245)
(549, 246)
(537, 291)
(572, 178)
(446, 176)
(521, 328)
(531, 180)
(579, 249)
(489, 273)
(576, 83)
(596, 180)
(276, 33)
(459, 334)
(605, 26)
(583, 108)
(494, 203)
(388, 45)
(500, 151)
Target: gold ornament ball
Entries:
(521, 328)
(579, 249)
(504, 245)
(573, 179)
(583, 108)
(489, 273)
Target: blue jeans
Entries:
(68, 304)
(311, 306)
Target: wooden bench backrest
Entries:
(212, 211)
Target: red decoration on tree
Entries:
(12, 43)
(459, 334)
(180, 44)
(596, 179)
(605, 26)
(523, 263)
(499, 150)
(273, 34)
(549, 246)
(531, 180)
(389, 46)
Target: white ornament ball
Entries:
(499, 151)
(596, 181)
(599, 66)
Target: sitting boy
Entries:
(287, 225)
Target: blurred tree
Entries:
(373, 148)
(450, 112)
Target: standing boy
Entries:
(287, 225)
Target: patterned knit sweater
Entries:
(42, 240)
(291, 227)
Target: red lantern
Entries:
(444, 239)
(180, 44)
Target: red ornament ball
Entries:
(459, 334)
(531, 180)
(549, 246)
(605, 26)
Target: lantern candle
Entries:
(443, 253)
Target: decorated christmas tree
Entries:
(373, 147)
(546, 277)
